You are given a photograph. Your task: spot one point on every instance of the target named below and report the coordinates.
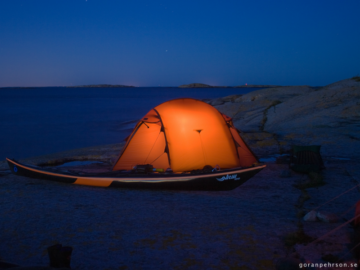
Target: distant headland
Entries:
(191, 85)
(76, 86)
(257, 86)
(19, 87)
(100, 86)
(202, 85)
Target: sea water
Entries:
(46, 120)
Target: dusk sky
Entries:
(169, 43)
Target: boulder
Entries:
(311, 216)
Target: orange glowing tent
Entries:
(184, 135)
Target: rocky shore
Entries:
(264, 224)
(273, 119)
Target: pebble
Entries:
(311, 216)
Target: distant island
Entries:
(100, 86)
(76, 86)
(202, 85)
(191, 85)
(19, 87)
(257, 86)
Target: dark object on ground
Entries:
(6, 265)
(59, 256)
(283, 159)
(305, 159)
(206, 169)
(146, 168)
(287, 264)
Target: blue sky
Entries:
(169, 43)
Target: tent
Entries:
(184, 135)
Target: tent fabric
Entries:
(247, 158)
(184, 135)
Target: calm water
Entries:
(47, 120)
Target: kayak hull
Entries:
(218, 180)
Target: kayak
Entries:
(226, 179)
